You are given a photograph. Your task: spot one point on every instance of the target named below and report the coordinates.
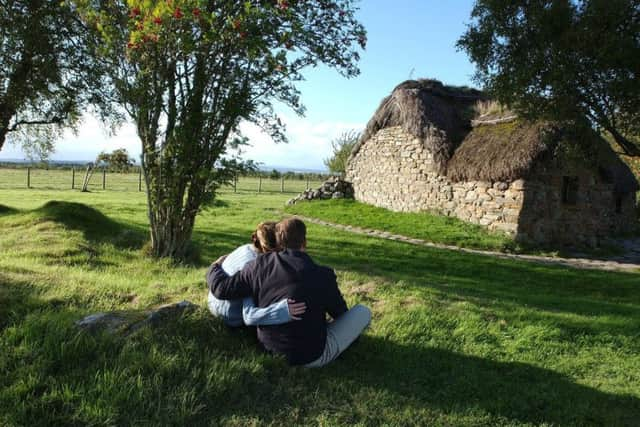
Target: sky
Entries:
(406, 39)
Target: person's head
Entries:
(291, 233)
(264, 238)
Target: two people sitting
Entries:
(274, 284)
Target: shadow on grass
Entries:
(7, 210)
(17, 299)
(488, 279)
(449, 382)
(196, 371)
(94, 225)
(213, 244)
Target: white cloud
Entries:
(92, 138)
(309, 142)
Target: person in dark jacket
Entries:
(291, 273)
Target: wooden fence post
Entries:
(28, 177)
(259, 184)
(73, 177)
(104, 178)
(140, 179)
(307, 182)
(282, 185)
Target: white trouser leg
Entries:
(341, 333)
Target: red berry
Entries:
(178, 13)
(236, 24)
(135, 11)
(157, 20)
(196, 12)
(283, 4)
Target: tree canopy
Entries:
(48, 70)
(118, 159)
(189, 71)
(562, 60)
(341, 147)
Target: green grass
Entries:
(456, 339)
(422, 225)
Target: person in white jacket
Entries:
(244, 311)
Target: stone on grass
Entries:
(127, 322)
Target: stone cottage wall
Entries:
(592, 219)
(393, 170)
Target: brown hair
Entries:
(264, 238)
(291, 233)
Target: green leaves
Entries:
(188, 72)
(342, 147)
(49, 75)
(561, 60)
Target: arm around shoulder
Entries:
(226, 287)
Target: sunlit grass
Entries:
(456, 339)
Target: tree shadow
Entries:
(7, 210)
(554, 288)
(17, 299)
(419, 376)
(227, 376)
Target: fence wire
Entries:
(68, 179)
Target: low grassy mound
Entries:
(93, 224)
(456, 339)
(423, 225)
(5, 210)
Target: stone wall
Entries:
(592, 219)
(393, 170)
(333, 188)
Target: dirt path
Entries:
(628, 262)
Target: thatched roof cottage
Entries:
(451, 150)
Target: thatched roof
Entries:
(473, 138)
(426, 109)
(506, 150)
(503, 151)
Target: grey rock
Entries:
(127, 322)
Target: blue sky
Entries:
(406, 39)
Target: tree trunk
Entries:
(172, 208)
(3, 135)
(5, 118)
(627, 146)
(171, 229)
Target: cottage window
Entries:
(569, 190)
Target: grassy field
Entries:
(57, 179)
(456, 339)
(423, 225)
